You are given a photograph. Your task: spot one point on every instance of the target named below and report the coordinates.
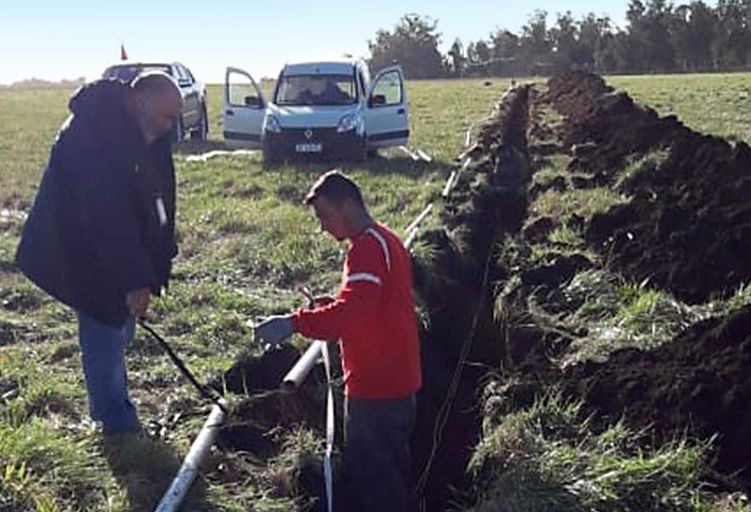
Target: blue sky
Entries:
(57, 39)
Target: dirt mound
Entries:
(699, 382)
(266, 407)
(262, 422)
(687, 226)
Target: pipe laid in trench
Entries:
(200, 448)
(180, 485)
(299, 372)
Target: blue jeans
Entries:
(103, 359)
(376, 452)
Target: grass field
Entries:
(246, 245)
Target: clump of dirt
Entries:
(21, 300)
(261, 423)
(268, 407)
(258, 374)
(687, 226)
(12, 331)
(700, 381)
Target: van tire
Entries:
(270, 158)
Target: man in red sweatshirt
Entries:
(374, 321)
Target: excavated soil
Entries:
(684, 230)
(699, 382)
(687, 227)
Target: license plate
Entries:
(308, 148)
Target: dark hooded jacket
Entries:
(102, 223)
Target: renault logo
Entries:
(308, 134)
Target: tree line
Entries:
(658, 37)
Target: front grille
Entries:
(297, 135)
(332, 143)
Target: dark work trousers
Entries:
(376, 452)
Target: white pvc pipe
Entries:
(297, 375)
(467, 152)
(419, 219)
(409, 153)
(180, 485)
(449, 184)
(424, 155)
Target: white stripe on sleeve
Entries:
(364, 277)
(384, 246)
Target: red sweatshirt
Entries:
(373, 318)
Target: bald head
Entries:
(158, 103)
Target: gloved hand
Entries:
(274, 330)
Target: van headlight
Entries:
(272, 125)
(347, 123)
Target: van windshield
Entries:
(316, 90)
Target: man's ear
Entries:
(350, 207)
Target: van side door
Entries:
(385, 114)
(244, 109)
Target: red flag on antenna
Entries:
(123, 55)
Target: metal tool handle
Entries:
(202, 390)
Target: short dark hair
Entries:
(336, 187)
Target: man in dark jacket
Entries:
(100, 234)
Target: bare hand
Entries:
(138, 301)
(323, 300)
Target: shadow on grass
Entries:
(197, 147)
(380, 165)
(145, 467)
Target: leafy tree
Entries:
(733, 42)
(658, 37)
(413, 43)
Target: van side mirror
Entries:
(377, 100)
(253, 101)
(183, 82)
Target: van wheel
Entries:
(359, 151)
(270, 158)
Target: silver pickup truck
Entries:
(194, 119)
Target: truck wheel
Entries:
(177, 130)
(202, 131)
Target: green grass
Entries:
(547, 458)
(583, 202)
(246, 244)
(711, 103)
(618, 314)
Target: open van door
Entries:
(385, 115)
(244, 109)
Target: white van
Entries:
(331, 109)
